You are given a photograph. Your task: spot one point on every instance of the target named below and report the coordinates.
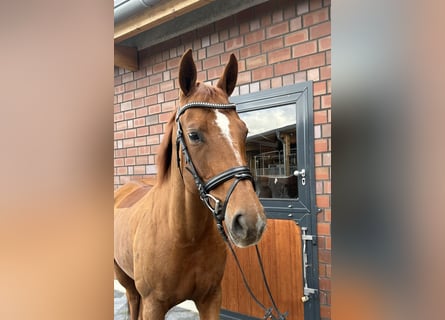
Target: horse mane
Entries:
(165, 151)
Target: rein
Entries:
(218, 209)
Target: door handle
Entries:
(302, 174)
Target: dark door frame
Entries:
(302, 209)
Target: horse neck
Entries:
(188, 217)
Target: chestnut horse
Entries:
(168, 245)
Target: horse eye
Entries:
(194, 137)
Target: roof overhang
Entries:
(164, 20)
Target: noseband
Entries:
(238, 173)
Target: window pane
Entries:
(271, 150)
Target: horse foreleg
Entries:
(209, 306)
(133, 296)
(152, 309)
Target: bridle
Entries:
(237, 173)
(218, 210)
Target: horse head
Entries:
(214, 145)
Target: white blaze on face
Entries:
(222, 121)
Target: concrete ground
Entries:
(184, 311)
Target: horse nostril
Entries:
(239, 226)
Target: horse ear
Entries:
(227, 81)
(187, 72)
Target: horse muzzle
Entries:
(245, 230)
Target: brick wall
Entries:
(278, 43)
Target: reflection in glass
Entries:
(271, 150)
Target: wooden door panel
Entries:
(280, 248)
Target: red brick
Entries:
(159, 67)
(173, 63)
(129, 114)
(141, 160)
(296, 37)
(140, 141)
(325, 72)
(279, 55)
(326, 159)
(234, 43)
(156, 129)
(118, 162)
(154, 109)
(128, 96)
(315, 4)
(139, 169)
(150, 100)
(327, 187)
(128, 143)
(155, 78)
(326, 101)
(323, 229)
(121, 170)
(142, 83)
(126, 77)
(119, 153)
(154, 89)
(255, 36)
(326, 130)
(118, 135)
(295, 24)
(131, 133)
(129, 161)
(272, 44)
(318, 159)
(168, 106)
(130, 86)
(319, 88)
(140, 93)
(324, 44)
(215, 73)
(255, 62)
(262, 73)
(285, 67)
(143, 150)
(302, 7)
(167, 85)
(322, 173)
(153, 139)
(215, 49)
(321, 145)
(137, 103)
(164, 117)
(211, 62)
(317, 102)
(171, 95)
(143, 131)
(277, 29)
(320, 30)
(312, 61)
(139, 122)
(323, 201)
(325, 312)
(141, 112)
(244, 77)
(118, 117)
(315, 17)
(250, 51)
(131, 152)
(304, 49)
